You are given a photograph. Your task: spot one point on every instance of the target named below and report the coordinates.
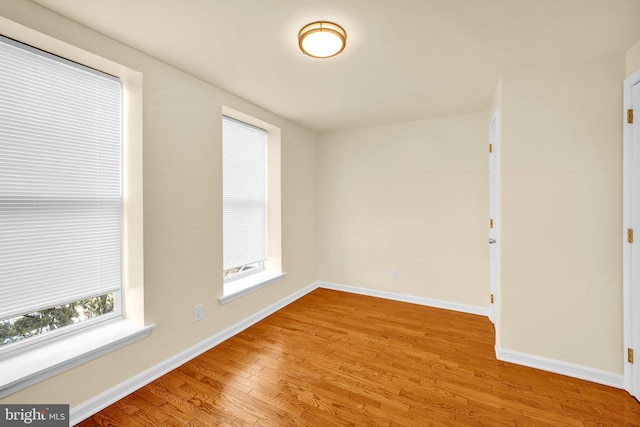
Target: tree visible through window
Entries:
(60, 194)
(40, 322)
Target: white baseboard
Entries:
(551, 365)
(598, 376)
(101, 401)
(447, 305)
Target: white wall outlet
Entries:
(198, 312)
(394, 273)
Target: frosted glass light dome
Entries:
(322, 39)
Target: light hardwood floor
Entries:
(334, 358)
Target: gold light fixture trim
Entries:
(322, 39)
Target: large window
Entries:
(252, 232)
(60, 195)
(244, 156)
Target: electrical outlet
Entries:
(394, 273)
(198, 312)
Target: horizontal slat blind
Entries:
(60, 181)
(244, 151)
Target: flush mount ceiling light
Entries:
(322, 39)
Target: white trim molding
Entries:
(30, 366)
(429, 302)
(101, 401)
(586, 373)
(628, 223)
(248, 284)
(550, 365)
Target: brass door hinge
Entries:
(630, 355)
(630, 235)
(492, 299)
(491, 223)
(630, 115)
(491, 148)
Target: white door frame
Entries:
(631, 220)
(494, 147)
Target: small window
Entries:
(60, 195)
(244, 157)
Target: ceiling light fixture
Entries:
(322, 39)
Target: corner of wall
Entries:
(633, 59)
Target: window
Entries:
(251, 204)
(244, 157)
(60, 195)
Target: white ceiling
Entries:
(405, 59)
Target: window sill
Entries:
(237, 288)
(28, 367)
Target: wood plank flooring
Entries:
(339, 359)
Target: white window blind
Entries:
(244, 151)
(60, 181)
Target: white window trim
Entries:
(235, 289)
(50, 358)
(244, 184)
(21, 369)
(34, 341)
(89, 191)
(236, 276)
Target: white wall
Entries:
(412, 196)
(633, 59)
(182, 209)
(561, 295)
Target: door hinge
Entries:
(491, 148)
(630, 115)
(630, 355)
(630, 235)
(492, 298)
(491, 223)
